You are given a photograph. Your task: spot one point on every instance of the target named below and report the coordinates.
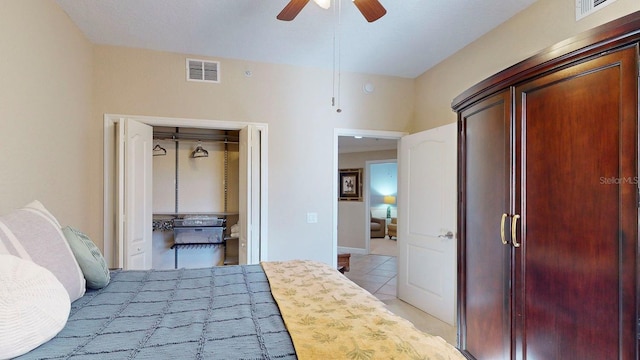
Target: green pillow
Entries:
(92, 263)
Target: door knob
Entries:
(448, 235)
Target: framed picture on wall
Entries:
(350, 184)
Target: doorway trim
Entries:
(110, 181)
(337, 132)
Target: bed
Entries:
(274, 310)
(215, 313)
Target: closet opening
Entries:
(208, 177)
(195, 197)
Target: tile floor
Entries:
(377, 274)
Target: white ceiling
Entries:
(349, 144)
(412, 37)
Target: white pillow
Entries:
(37, 206)
(33, 233)
(34, 306)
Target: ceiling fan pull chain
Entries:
(335, 100)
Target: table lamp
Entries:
(389, 200)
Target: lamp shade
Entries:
(389, 199)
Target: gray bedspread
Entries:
(215, 313)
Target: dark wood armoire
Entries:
(548, 203)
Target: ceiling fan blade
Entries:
(291, 10)
(372, 10)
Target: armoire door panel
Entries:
(576, 156)
(486, 167)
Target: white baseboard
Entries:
(342, 249)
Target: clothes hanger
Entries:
(159, 150)
(199, 152)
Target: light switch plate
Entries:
(312, 218)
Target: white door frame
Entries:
(110, 180)
(249, 179)
(337, 132)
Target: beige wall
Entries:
(200, 181)
(543, 24)
(295, 102)
(353, 218)
(56, 87)
(50, 146)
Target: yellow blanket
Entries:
(330, 317)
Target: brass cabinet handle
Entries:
(504, 217)
(513, 231)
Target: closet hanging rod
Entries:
(201, 140)
(196, 137)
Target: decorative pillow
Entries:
(32, 233)
(37, 206)
(34, 306)
(89, 257)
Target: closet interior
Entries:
(195, 197)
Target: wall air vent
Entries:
(588, 7)
(203, 70)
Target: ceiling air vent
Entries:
(203, 70)
(588, 7)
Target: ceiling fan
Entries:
(372, 10)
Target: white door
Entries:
(427, 186)
(249, 196)
(135, 194)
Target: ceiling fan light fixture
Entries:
(372, 10)
(325, 4)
